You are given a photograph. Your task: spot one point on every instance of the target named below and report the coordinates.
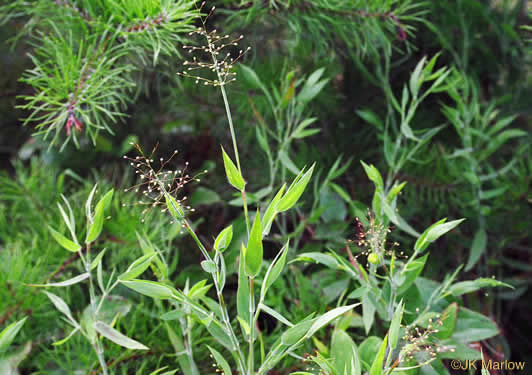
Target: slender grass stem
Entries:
(98, 348)
(251, 358)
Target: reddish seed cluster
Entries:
(155, 183)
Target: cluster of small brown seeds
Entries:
(220, 63)
(419, 339)
(156, 182)
(373, 239)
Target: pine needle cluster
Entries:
(85, 52)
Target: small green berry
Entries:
(373, 258)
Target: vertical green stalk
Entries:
(231, 129)
(251, 358)
(98, 347)
(223, 307)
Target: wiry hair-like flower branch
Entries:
(222, 62)
(156, 184)
(373, 241)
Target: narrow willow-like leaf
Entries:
(434, 232)
(328, 317)
(63, 241)
(271, 211)
(253, 251)
(137, 267)
(478, 248)
(72, 281)
(223, 239)
(448, 319)
(242, 293)
(395, 325)
(374, 175)
(209, 266)
(150, 288)
(469, 286)
(95, 228)
(409, 274)
(88, 204)
(295, 190)
(376, 367)
(61, 306)
(98, 259)
(117, 337)
(8, 334)
(174, 207)
(233, 175)
(220, 360)
(292, 335)
(65, 339)
(275, 314)
(344, 354)
(275, 269)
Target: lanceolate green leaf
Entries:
(118, 338)
(469, 286)
(295, 190)
(72, 281)
(220, 360)
(98, 259)
(292, 335)
(328, 317)
(478, 247)
(64, 242)
(275, 314)
(137, 267)
(409, 274)
(150, 288)
(434, 232)
(224, 239)
(396, 325)
(61, 306)
(174, 207)
(275, 269)
(376, 367)
(8, 334)
(448, 319)
(95, 228)
(233, 175)
(374, 175)
(242, 294)
(253, 251)
(271, 211)
(344, 354)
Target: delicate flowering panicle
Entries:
(423, 340)
(372, 240)
(158, 182)
(219, 60)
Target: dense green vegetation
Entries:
(264, 187)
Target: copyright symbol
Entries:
(456, 364)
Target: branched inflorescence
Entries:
(156, 183)
(222, 62)
(423, 340)
(373, 240)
